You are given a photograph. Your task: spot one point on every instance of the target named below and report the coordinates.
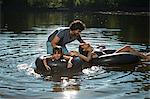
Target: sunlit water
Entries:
(18, 79)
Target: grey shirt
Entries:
(65, 37)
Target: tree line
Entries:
(139, 5)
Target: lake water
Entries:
(23, 36)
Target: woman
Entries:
(88, 53)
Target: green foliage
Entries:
(112, 3)
(46, 3)
(79, 4)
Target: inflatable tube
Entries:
(123, 58)
(57, 67)
(106, 51)
(40, 68)
(60, 67)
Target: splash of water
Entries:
(27, 69)
(93, 70)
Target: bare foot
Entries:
(148, 54)
(148, 58)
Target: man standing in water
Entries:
(64, 36)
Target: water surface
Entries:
(23, 37)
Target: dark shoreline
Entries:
(109, 12)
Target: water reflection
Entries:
(134, 28)
(66, 84)
(68, 87)
(23, 38)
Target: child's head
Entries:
(57, 52)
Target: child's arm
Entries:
(45, 63)
(69, 58)
(70, 63)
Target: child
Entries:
(57, 55)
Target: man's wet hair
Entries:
(77, 24)
(57, 49)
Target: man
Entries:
(64, 36)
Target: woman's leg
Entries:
(127, 48)
(148, 54)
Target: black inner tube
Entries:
(116, 59)
(58, 67)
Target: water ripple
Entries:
(18, 79)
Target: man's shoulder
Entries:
(63, 31)
(62, 28)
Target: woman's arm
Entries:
(85, 58)
(94, 55)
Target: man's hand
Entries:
(74, 53)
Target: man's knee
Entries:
(49, 47)
(65, 51)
